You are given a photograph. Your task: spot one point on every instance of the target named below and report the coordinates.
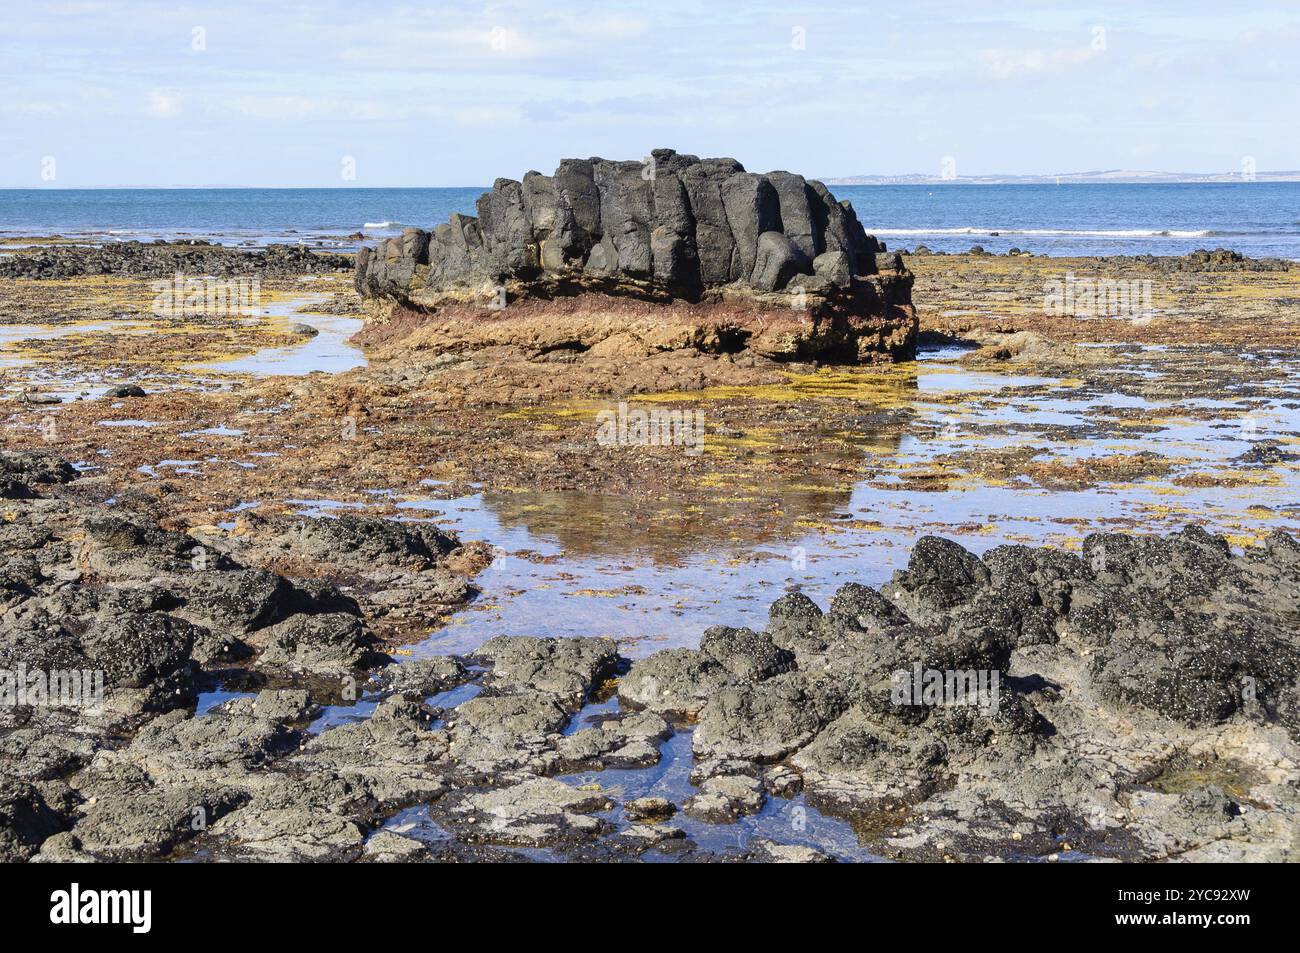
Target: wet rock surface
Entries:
(1205, 259)
(164, 260)
(1137, 700)
(1199, 260)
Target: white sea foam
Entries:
(380, 224)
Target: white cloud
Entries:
(485, 116)
(1007, 63)
(508, 41)
(580, 78)
(27, 109)
(291, 107)
(164, 103)
(447, 49)
(612, 27)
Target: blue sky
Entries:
(108, 92)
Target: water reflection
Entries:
(908, 456)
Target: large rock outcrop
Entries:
(674, 229)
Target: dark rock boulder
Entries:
(833, 266)
(569, 668)
(745, 654)
(25, 820)
(366, 543)
(627, 216)
(428, 676)
(865, 609)
(146, 657)
(121, 391)
(23, 472)
(765, 721)
(777, 260)
(123, 546)
(673, 225)
(241, 600)
(752, 208)
(796, 200)
(715, 242)
(331, 643)
(507, 235)
(674, 682)
(940, 575)
(795, 623)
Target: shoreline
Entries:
(329, 243)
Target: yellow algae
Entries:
(610, 593)
(875, 384)
(811, 488)
(1166, 490)
(1246, 540)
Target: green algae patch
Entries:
(1232, 777)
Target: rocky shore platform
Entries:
(1138, 700)
(160, 259)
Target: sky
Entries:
(105, 93)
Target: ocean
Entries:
(1260, 219)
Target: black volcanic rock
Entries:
(674, 226)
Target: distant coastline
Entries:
(1110, 177)
(1105, 177)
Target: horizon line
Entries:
(915, 179)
